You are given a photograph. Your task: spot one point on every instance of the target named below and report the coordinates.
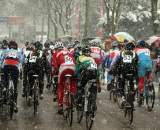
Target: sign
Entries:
(3, 19)
(15, 20)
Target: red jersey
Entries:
(62, 57)
(97, 54)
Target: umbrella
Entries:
(122, 36)
(153, 39)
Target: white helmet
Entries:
(58, 45)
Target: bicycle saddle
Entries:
(35, 75)
(68, 75)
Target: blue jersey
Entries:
(11, 57)
(143, 54)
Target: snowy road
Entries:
(108, 117)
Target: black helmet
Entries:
(141, 43)
(27, 43)
(4, 44)
(129, 46)
(38, 45)
(46, 44)
(86, 50)
(13, 44)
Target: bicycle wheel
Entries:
(70, 109)
(11, 109)
(90, 114)
(113, 95)
(128, 114)
(150, 97)
(27, 90)
(11, 104)
(35, 102)
(119, 99)
(80, 110)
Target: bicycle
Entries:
(88, 103)
(8, 97)
(87, 96)
(128, 105)
(125, 93)
(148, 94)
(68, 100)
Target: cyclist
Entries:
(111, 56)
(35, 66)
(47, 62)
(157, 57)
(63, 63)
(96, 52)
(82, 63)
(11, 59)
(27, 50)
(144, 66)
(126, 64)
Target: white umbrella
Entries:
(153, 39)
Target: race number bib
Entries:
(32, 59)
(26, 53)
(127, 59)
(68, 60)
(12, 55)
(147, 53)
(93, 65)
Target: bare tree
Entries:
(63, 9)
(113, 12)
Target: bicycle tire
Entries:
(11, 110)
(113, 96)
(90, 114)
(89, 117)
(128, 113)
(150, 105)
(35, 102)
(80, 111)
(119, 99)
(27, 90)
(70, 110)
(11, 104)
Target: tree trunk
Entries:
(48, 21)
(154, 15)
(55, 26)
(42, 31)
(86, 18)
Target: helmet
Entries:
(4, 44)
(86, 50)
(114, 44)
(70, 45)
(76, 42)
(141, 43)
(129, 46)
(38, 45)
(46, 44)
(27, 43)
(93, 43)
(59, 45)
(13, 44)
